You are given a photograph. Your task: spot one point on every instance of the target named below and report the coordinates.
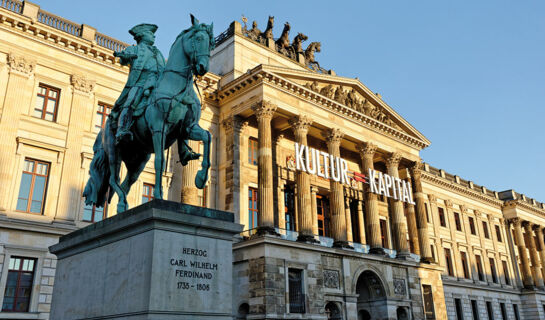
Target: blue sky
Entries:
(470, 75)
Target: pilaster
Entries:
(399, 224)
(420, 213)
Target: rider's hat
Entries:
(138, 30)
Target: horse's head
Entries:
(199, 40)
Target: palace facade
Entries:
(316, 245)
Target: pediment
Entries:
(352, 94)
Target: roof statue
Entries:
(293, 50)
(157, 107)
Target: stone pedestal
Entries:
(161, 260)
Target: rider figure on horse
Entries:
(146, 65)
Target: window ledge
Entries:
(19, 315)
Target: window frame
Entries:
(493, 270)
(480, 269)
(46, 97)
(442, 217)
(103, 114)
(149, 195)
(253, 150)
(289, 208)
(17, 286)
(498, 233)
(457, 221)
(385, 241)
(322, 206)
(253, 213)
(93, 213)
(302, 294)
(485, 230)
(32, 184)
(465, 264)
(472, 227)
(506, 275)
(448, 262)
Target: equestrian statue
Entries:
(157, 107)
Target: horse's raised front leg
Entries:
(199, 134)
(158, 138)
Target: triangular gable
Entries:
(351, 93)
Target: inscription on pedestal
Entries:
(194, 270)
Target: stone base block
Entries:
(161, 260)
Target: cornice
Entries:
(528, 207)
(49, 36)
(446, 184)
(259, 75)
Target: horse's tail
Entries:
(96, 189)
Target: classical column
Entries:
(81, 109)
(527, 278)
(264, 112)
(338, 221)
(536, 265)
(190, 193)
(540, 248)
(421, 220)
(348, 217)
(367, 153)
(314, 209)
(300, 125)
(234, 127)
(413, 230)
(399, 226)
(361, 223)
(18, 97)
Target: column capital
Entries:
(416, 169)
(264, 109)
(300, 123)
(463, 209)
(234, 123)
(393, 160)
(526, 224)
(448, 203)
(432, 197)
(502, 221)
(314, 189)
(333, 136)
(367, 149)
(536, 227)
(20, 65)
(515, 221)
(81, 84)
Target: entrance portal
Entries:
(332, 311)
(371, 297)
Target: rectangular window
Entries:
(516, 311)
(355, 221)
(493, 270)
(147, 194)
(102, 115)
(19, 284)
(472, 226)
(457, 221)
(464, 264)
(427, 213)
(498, 233)
(485, 230)
(47, 102)
(33, 186)
(289, 207)
(480, 269)
(384, 233)
(489, 310)
(252, 151)
(433, 252)
(202, 195)
(506, 272)
(459, 310)
(448, 261)
(296, 292)
(92, 213)
(322, 208)
(474, 309)
(429, 309)
(253, 209)
(442, 220)
(503, 311)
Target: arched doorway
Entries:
(371, 297)
(332, 311)
(243, 311)
(403, 313)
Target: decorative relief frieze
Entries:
(21, 65)
(82, 84)
(399, 287)
(331, 279)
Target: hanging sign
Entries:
(328, 166)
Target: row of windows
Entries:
(489, 310)
(471, 220)
(33, 188)
(47, 103)
(479, 267)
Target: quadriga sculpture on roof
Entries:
(157, 108)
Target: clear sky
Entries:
(469, 75)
